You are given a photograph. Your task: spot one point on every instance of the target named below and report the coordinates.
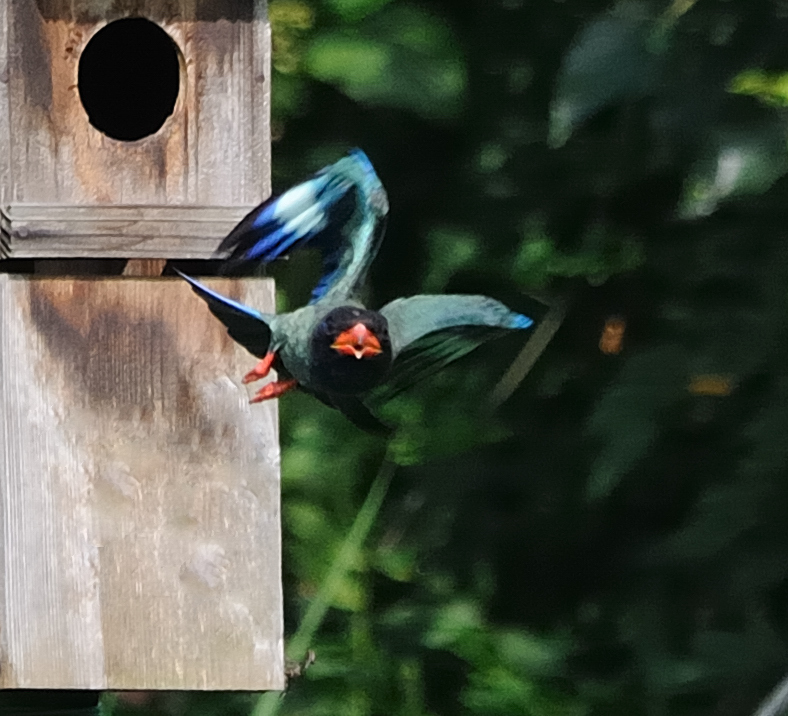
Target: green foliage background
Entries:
(612, 539)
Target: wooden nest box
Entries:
(139, 490)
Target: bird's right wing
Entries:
(245, 325)
(341, 211)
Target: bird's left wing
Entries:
(245, 325)
(430, 332)
(340, 210)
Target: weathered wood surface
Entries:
(43, 231)
(213, 151)
(139, 495)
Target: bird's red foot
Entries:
(262, 369)
(273, 390)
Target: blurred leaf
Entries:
(397, 564)
(771, 88)
(765, 432)
(290, 14)
(353, 10)
(288, 96)
(736, 162)
(492, 157)
(533, 655)
(349, 593)
(626, 417)
(531, 266)
(677, 676)
(357, 64)
(602, 253)
(401, 57)
(676, 9)
(730, 653)
(500, 692)
(451, 250)
(453, 624)
(609, 62)
(721, 515)
(307, 521)
(290, 21)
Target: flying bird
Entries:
(335, 348)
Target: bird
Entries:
(335, 348)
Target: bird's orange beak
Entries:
(357, 341)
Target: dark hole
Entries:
(129, 78)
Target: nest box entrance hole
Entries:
(129, 78)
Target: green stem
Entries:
(268, 704)
(533, 349)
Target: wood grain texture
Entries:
(5, 115)
(44, 231)
(213, 151)
(139, 500)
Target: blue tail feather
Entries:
(214, 298)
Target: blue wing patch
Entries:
(340, 211)
(281, 224)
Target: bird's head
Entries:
(351, 349)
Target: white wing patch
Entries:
(299, 199)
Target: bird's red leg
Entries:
(261, 369)
(273, 390)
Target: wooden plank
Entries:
(47, 230)
(233, 142)
(139, 495)
(259, 125)
(5, 129)
(214, 150)
(110, 245)
(31, 213)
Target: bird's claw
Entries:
(273, 390)
(261, 370)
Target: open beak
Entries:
(357, 341)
